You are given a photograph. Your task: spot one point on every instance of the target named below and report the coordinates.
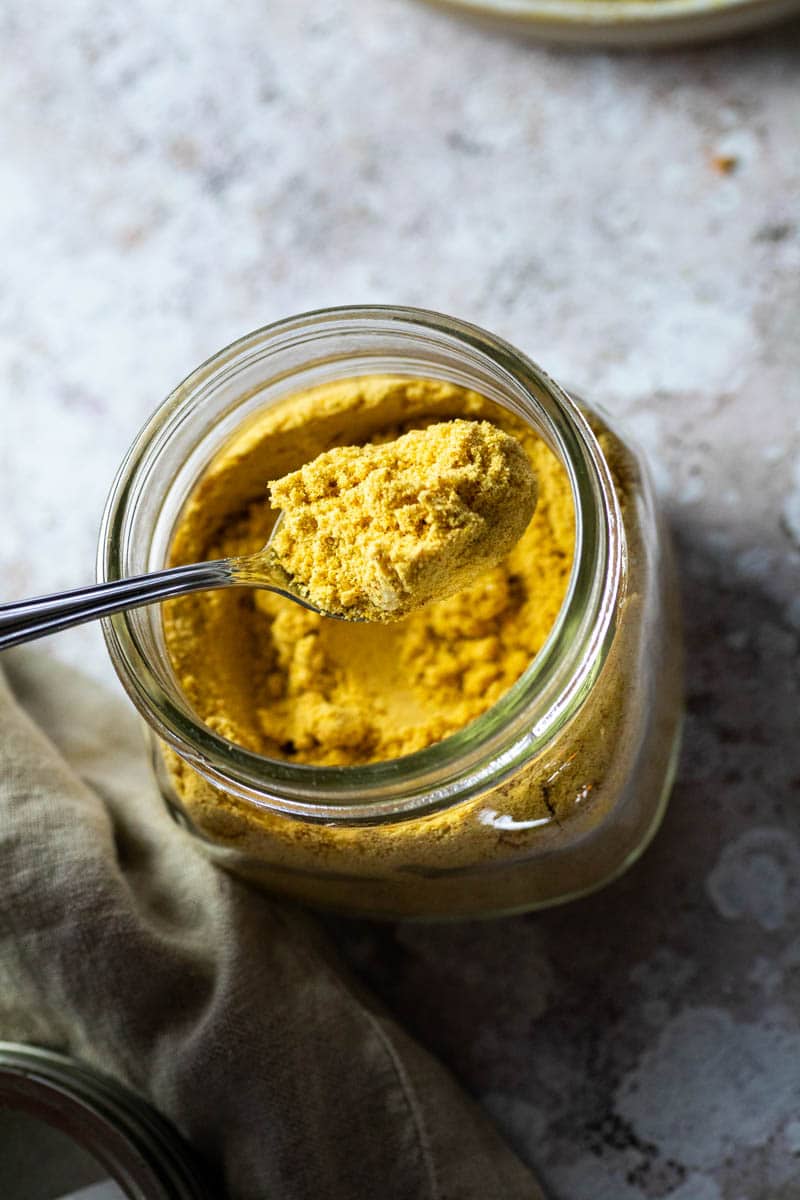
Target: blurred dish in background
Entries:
(631, 23)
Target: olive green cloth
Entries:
(122, 944)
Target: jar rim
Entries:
(141, 1151)
(490, 748)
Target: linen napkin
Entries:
(122, 944)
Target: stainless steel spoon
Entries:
(28, 619)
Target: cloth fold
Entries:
(122, 944)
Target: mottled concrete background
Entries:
(174, 175)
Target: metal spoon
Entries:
(28, 619)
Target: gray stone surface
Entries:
(174, 175)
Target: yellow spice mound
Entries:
(373, 532)
(287, 683)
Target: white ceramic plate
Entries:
(627, 22)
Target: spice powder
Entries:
(288, 684)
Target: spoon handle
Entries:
(29, 619)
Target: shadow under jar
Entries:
(550, 793)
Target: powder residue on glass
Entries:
(373, 532)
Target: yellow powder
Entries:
(373, 532)
(290, 684)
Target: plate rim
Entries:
(586, 15)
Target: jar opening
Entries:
(293, 355)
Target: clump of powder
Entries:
(373, 532)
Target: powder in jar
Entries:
(288, 683)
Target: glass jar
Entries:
(468, 826)
(66, 1130)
